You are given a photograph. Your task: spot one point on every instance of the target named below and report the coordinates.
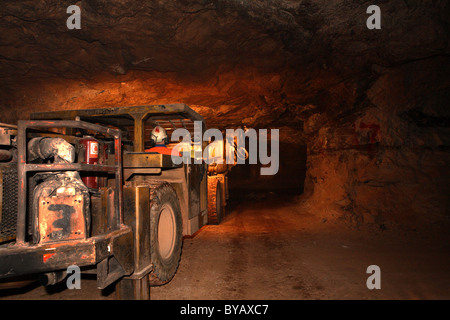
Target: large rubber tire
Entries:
(216, 209)
(166, 234)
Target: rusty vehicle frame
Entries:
(137, 162)
(119, 252)
(22, 257)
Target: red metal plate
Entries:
(61, 218)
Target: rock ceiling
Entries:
(253, 62)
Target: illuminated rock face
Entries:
(385, 163)
(371, 106)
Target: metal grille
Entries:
(8, 219)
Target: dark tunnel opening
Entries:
(246, 181)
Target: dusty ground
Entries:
(276, 250)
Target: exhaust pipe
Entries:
(52, 278)
(58, 148)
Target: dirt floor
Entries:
(274, 249)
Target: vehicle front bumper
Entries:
(17, 260)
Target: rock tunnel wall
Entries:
(368, 109)
(387, 164)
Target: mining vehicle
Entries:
(78, 188)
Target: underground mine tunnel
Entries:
(362, 115)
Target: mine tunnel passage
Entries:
(246, 181)
(363, 114)
(273, 249)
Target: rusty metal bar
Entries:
(160, 109)
(7, 125)
(70, 124)
(139, 131)
(182, 122)
(22, 179)
(51, 256)
(69, 167)
(119, 184)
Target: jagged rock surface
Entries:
(370, 105)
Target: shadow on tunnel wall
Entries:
(247, 183)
